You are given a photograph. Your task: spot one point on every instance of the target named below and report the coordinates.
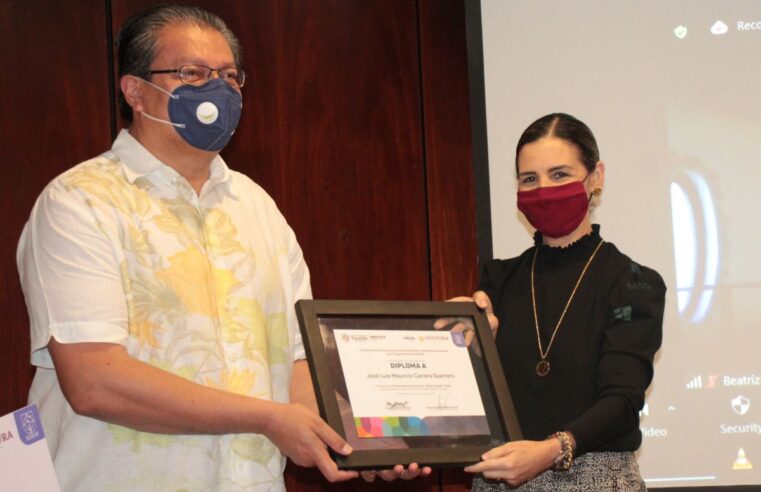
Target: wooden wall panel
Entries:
(55, 113)
(334, 131)
(448, 149)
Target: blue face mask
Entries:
(205, 116)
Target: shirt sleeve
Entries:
(302, 288)
(69, 274)
(632, 335)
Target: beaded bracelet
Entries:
(565, 459)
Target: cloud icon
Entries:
(718, 28)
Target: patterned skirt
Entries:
(603, 472)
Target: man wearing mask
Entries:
(160, 287)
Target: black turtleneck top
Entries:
(602, 356)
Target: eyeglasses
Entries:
(200, 74)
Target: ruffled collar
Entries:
(581, 248)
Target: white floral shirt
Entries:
(121, 249)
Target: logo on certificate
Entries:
(28, 424)
(397, 405)
(458, 338)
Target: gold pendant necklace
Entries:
(543, 366)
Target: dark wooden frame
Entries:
(428, 450)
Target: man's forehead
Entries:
(190, 43)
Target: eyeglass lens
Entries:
(194, 74)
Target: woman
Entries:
(580, 323)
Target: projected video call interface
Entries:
(671, 91)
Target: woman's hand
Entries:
(517, 462)
(412, 471)
(483, 302)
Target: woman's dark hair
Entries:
(565, 127)
(136, 41)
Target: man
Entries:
(160, 287)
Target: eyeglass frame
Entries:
(178, 71)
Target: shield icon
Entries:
(740, 405)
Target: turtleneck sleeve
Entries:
(632, 334)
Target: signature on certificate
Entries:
(397, 405)
(442, 403)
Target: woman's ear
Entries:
(598, 178)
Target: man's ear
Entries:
(132, 88)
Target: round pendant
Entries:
(542, 368)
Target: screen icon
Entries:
(740, 405)
(742, 462)
(718, 28)
(695, 383)
(712, 380)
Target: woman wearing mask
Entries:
(580, 323)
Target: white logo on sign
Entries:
(740, 405)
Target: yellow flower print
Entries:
(220, 233)
(277, 338)
(252, 447)
(188, 277)
(240, 382)
(244, 320)
(104, 181)
(180, 218)
(143, 331)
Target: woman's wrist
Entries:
(553, 451)
(567, 445)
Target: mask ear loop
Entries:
(159, 120)
(178, 125)
(173, 96)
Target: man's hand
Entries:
(302, 436)
(412, 471)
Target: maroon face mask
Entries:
(555, 211)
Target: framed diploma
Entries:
(407, 382)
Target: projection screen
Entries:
(672, 92)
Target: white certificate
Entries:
(25, 462)
(408, 373)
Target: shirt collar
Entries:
(139, 162)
